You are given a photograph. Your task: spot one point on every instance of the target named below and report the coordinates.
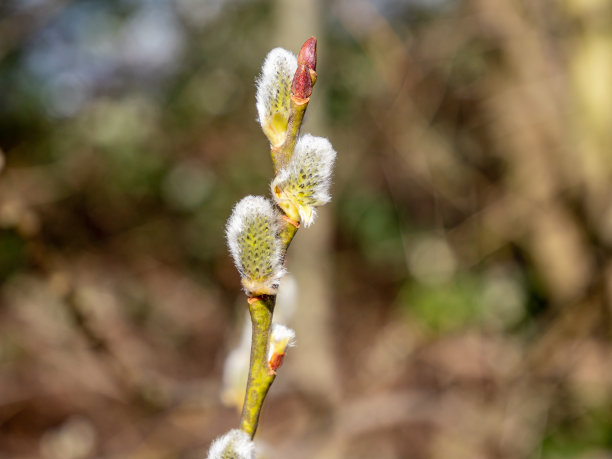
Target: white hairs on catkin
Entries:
(252, 237)
(273, 98)
(235, 444)
(282, 334)
(305, 181)
(281, 338)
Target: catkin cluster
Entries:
(301, 183)
(260, 229)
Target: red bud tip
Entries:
(308, 54)
(301, 87)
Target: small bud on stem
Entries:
(305, 75)
(301, 87)
(308, 54)
(281, 338)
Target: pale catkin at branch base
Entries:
(252, 237)
(304, 183)
(235, 444)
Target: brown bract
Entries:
(301, 87)
(305, 75)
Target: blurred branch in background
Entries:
(465, 310)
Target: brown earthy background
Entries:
(454, 301)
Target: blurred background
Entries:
(453, 301)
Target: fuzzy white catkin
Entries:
(281, 333)
(235, 444)
(252, 237)
(273, 97)
(304, 183)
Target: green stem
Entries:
(282, 153)
(261, 308)
(260, 377)
(286, 234)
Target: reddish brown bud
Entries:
(275, 362)
(301, 87)
(308, 54)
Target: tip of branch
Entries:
(308, 54)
